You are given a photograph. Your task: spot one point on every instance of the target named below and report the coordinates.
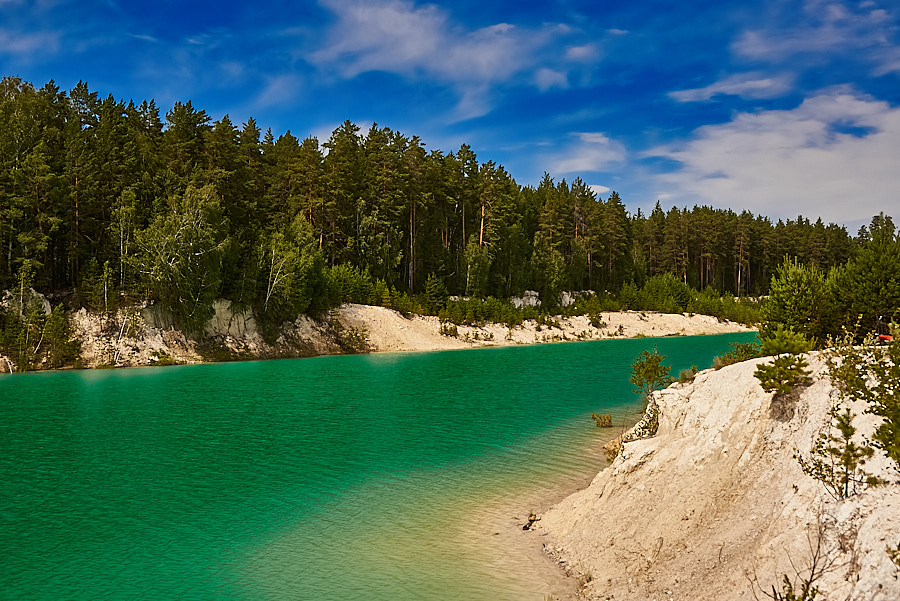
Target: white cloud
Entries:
(585, 54)
(412, 40)
(748, 85)
(142, 36)
(397, 36)
(278, 91)
(548, 78)
(592, 152)
(829, 28)
(598, 189)
(27, 44)
(834, 156)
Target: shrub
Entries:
(783, 374)
(872, 374)
(603, 420)
(837, 461)
(739, 352)
(800, 299)
(648, 373)
(666, 293)
(780, 340)
(687, 375)
(435, 294)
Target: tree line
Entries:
(112, 199)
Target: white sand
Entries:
(715, 505)
(390, 331)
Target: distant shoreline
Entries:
(139, 337)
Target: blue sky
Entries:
(778, 107)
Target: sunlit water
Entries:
(379, 477)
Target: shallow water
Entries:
(386, 476)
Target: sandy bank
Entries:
(715, 505)
(390, 331)
(139, 336)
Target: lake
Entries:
(396, 476)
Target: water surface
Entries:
(376, 477)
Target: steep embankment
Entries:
(145, 336)
(715, 506)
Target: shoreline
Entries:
(498, 526)
(740, 513)
(140, 337)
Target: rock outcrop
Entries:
(715, 506)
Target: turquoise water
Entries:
(334, 478)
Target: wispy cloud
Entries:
(548, 78)
(25, 44)
(278, 90)
(586, 53)
(591, 152)
(826, 27)
(834, 156)
(747, 85)
(421, 41)
(144, 37)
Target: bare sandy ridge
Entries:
(715, 506)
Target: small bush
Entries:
(872, 374)
(780, 340)
(687, 375)
(603, 420)
(449, 329)
(648, 373)
(837, 461)
(783, 374)
(739, 352)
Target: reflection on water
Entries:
(376, 477)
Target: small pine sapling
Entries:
(648, 373)
(783, 374)
(837, 460)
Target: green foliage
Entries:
(837, 460)
(161, 358)
(180, 257)
(61, 348)
(291, 273)
(347, 284)
(687, 375)
(353, 341)
(871, 373)
(783, 374)
(805, 592)
(436, 294)
(648, 373)
(665, 293)
(780, 339)
(631, 297)
(800, 300)
(200, 209)
(739, 352)
(98, 291)
(869, 287)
